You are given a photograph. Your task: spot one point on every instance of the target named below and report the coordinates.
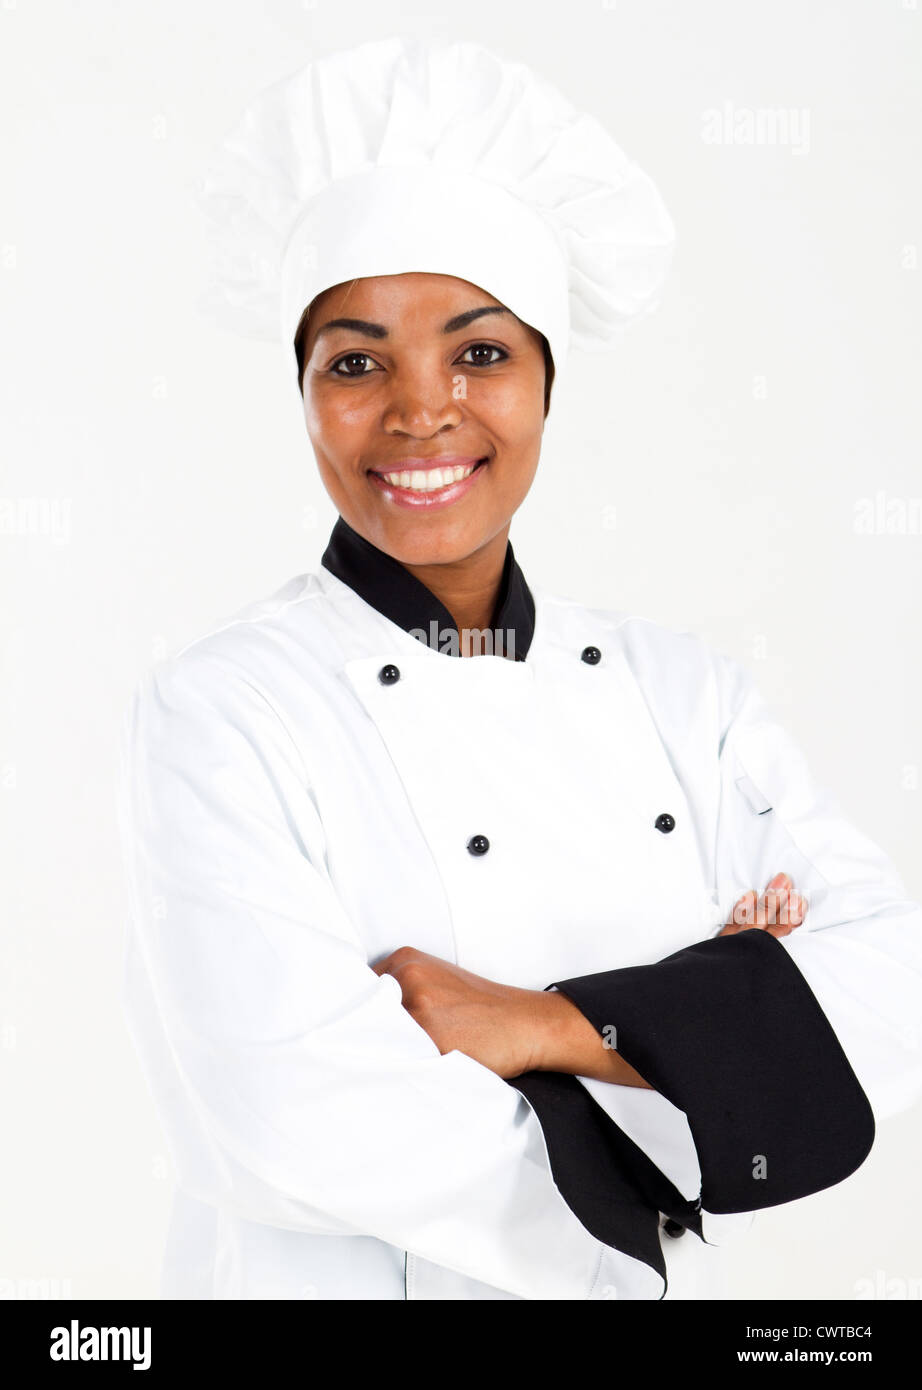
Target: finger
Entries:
(795, 910)
(766, 913)
(798, 909)
(777, 906)
(778, 910)
(741, 914)
(781, 880)
(744, 908)
(790, 914)
(772, 912)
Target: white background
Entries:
(707, 474)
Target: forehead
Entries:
(412, 289)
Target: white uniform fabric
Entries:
(288, 819)
(428, 155)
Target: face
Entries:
(428, 373)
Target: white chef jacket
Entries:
(290, 815)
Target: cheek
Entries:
(517, 426)
(332, 425)
(513, 408)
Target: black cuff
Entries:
(605, 1179)
(729, 1031)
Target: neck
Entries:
(469, 588)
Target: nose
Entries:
(422, 402)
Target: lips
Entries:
(417, 464)
(428, 482)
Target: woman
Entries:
(479, 939)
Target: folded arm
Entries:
(295, 1088)
(778, 1046)
(512, 1030)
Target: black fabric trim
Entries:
(393, 591)
(729, 1031)
(606, 1179)
(593, 1166)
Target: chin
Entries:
(434, 541)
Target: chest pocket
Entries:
(756, 841)
(759, 803)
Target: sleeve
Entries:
(295, 1089)
(779, 1051)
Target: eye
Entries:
(485, 347)
(351, 357)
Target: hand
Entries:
(498, 1025)
(778, 911)
(508, 1030)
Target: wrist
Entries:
(564, 1038)
(566, 1041)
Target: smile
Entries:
(419, 481)
(429, 486)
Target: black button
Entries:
(478, 844)
(591, 655)
(665, 822)
(389, 674)
(673, 1228)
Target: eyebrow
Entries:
(378, 330)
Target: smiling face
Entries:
(424, 400)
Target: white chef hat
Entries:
(412, 154)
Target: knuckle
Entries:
(402, 957)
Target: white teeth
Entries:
(422, 481)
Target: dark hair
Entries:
(301, 335)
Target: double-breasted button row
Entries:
(391, 673)
(479, 844)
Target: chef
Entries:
(482, 945)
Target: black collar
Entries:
(384, 583)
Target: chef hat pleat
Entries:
(431, 155)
